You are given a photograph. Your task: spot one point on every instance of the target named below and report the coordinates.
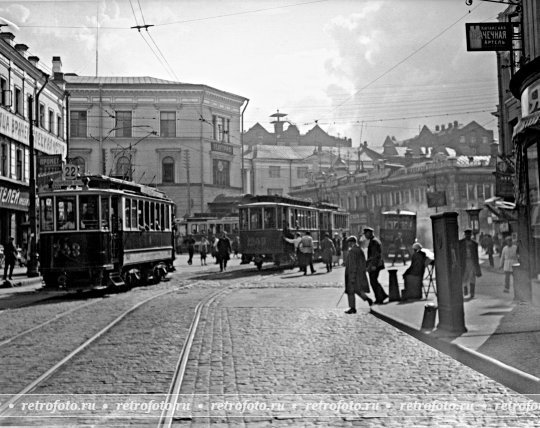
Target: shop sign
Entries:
(221, 147)
(489, 36)
(504, 178)
(17, 128)
(48, 167)
(530, 99)
(436, 199)
(14, 199)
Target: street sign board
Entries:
(70, 172)
(489, 36)
(436, 199)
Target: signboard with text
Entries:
(489, 36)
(48, 167)
(436, 199)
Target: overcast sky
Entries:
(363, 69)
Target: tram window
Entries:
(167, 217)
(162, 217)
(227, 228)
(269, 218)
(65, 213)
(194, 228)
(146, 215)
(140, 215)
(46, 212)
(279, 219)
(133, 214)
(152, 219)
(256, 218)
(105, 212)
(243, 218)
(89, 212)
(128, 213)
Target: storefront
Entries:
(14, 203)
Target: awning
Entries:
(526, 122)
(501, 208)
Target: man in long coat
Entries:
(223, 251)
(470, 266)
(355, 275)
(375, 264)
(327, 251)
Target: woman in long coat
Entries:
(355, 275)
(328, 250)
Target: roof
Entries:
(472, 161)
(118, 80)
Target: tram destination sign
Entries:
(489, 36)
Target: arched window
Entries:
(167, 169)
(81, 164)
(123, 168)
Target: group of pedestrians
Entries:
(221, 249)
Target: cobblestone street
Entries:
(272, 349)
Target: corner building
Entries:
(182, 138)
(21, 78)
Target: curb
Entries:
(22, 282)
(519, 381)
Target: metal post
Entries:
(242, 144)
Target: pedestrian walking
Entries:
(337, 244)
(327, 251)
(224, 251)
(470, 266)
(10, 256)
(296, 244)
(190, 244)
(235, 244)
(306, 248)
(489, 249)
(414, 275)
(375, 264)
(344, 246)
(398, 248)
(355, 275)
(509, 257)
(203, 249)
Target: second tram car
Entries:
(105, 233)
(268, 219)
(394, 222)
(209, 226)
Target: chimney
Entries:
(57, 69)
(437, 129)
(365, 143)
(456, 124)
(442, 127)
(33, 60)
(449, 125)
(8, 38)
(21, 48)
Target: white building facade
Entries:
(182, 138)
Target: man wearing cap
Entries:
(375, 264)
(470, 266)
(355, 275)
(10, 256)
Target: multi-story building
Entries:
(183, 138)
(524, 84)
(22, 80)
(291, 136)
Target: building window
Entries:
(275, 171)
(278, 192)
(221, 172)
(123, 123)
(19, 164)
(58, 125)
(487, 191)
(167, 166)
(480, 192)
(167, 124)
(123, 168)
(41, 115)
(51, 121)
(81, 164)
(462, 138)
(18, 101)
(358, 202)
(220, 127)
(5, 92)
(302, 171)
(4, 162)
(78, 122)
(470, 192)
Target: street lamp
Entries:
(474, 219)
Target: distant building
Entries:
(183, 138)
(290, 136)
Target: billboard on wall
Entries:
(48, 167)
(489, 36)
(436, 199)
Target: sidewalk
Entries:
(20, 283)
(502, 338)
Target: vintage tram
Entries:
(104, 232)
(267, 220)
(207, 225)
(396, 222)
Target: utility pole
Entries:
(187, 164)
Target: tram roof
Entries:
(398, 212)
(270, 203)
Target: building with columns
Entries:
(182, 138)
(22, 81)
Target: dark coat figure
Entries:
(10, 256)
(469, 263)
(355, 276)
(489, 249)
(375, 264)
(223, 252)
(328, 250)
(190, 243)
(414, 275)
(203, 249)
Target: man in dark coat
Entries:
(375, 264)
(190, 243)
(355, 275)
(470, 266)
(10, 256)
(414, 275)
(223, 251)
